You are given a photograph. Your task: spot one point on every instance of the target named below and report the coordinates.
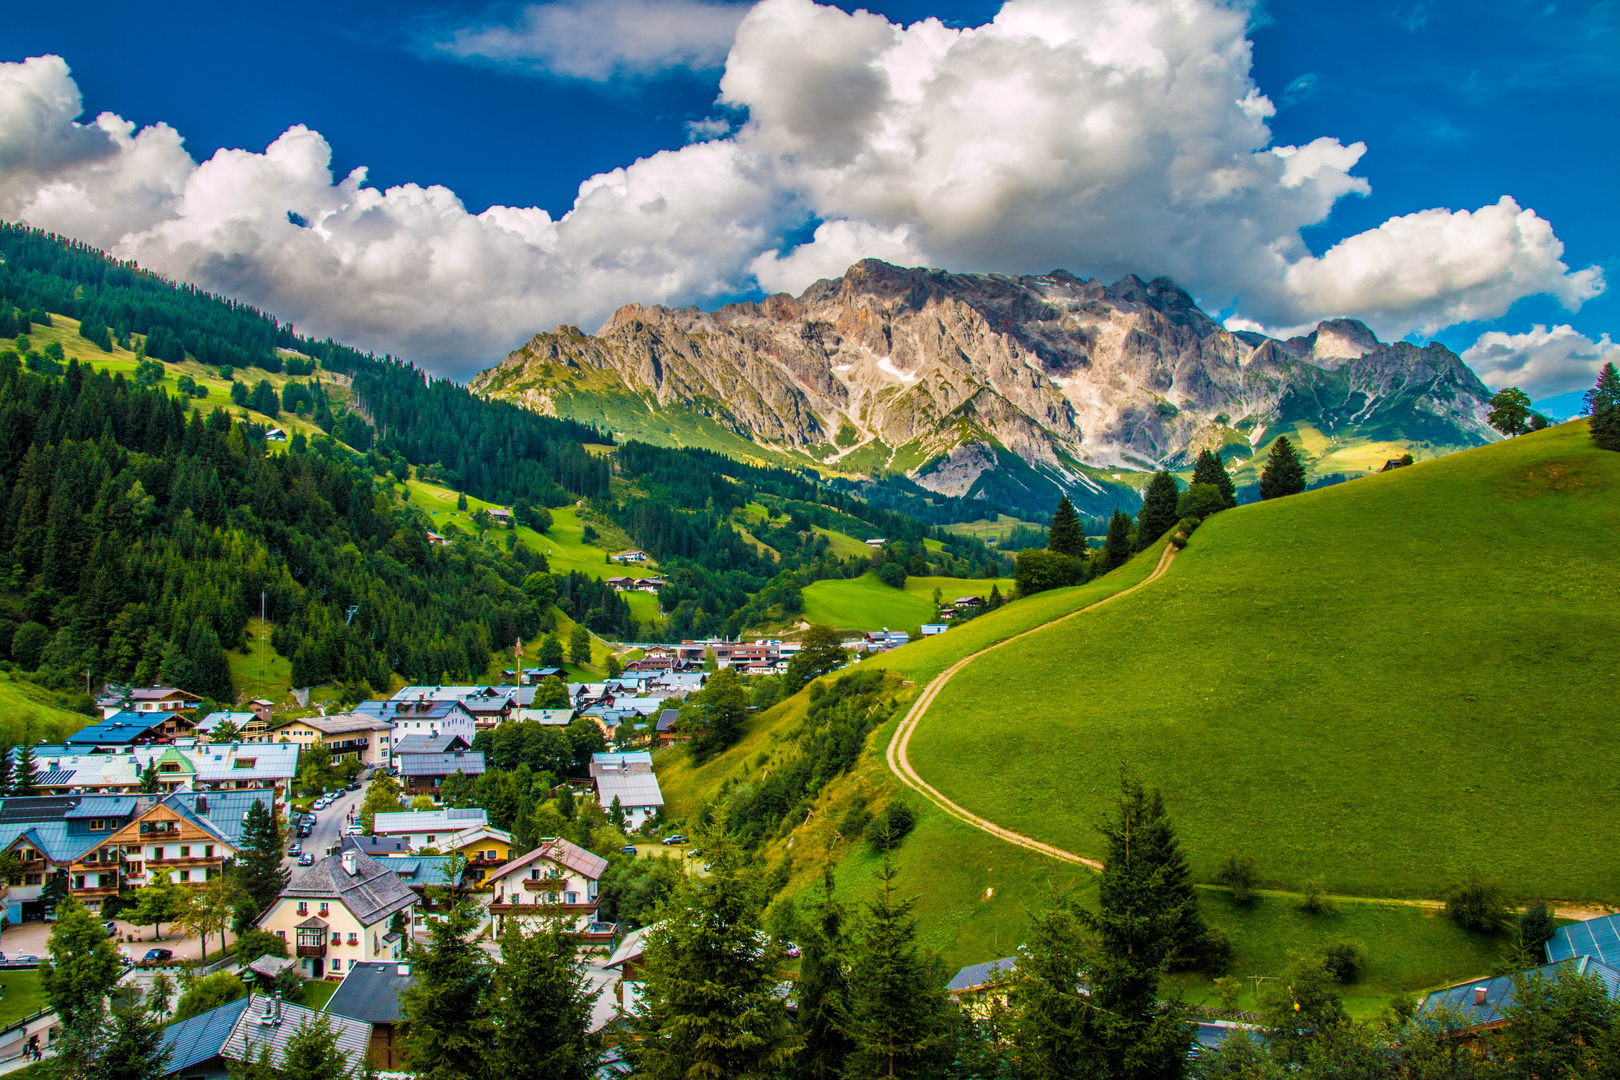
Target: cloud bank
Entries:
(1542, 363)
(1101, 136)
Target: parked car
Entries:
(674, 838)
(157, 956)
(793, 951)
(354, 785)
(296, 850)
(356, 829)
(111, 928)
(307, 859)
(628, 849)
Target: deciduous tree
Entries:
(81, 967)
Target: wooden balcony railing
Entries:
(316, 952)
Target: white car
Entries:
(356, 829)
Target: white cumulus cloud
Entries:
(1543, 363)
(601, 39)
(1100, 136)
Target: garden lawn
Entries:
(1391, 683)
(24, 995)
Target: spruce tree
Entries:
(259, 872)
(1602, 406)
(23, 774)
(450, 1029)
(1055, 1029)
(900, 1019)
(1209, 470)
(822, 990)
(1138, 927)
(134, 1049)
(1065, 535)
(1116, 550)
(7, 751)
(1158, 513)
(543, 1006)
(1284, 473)
(710, 1006)
(313, 1053)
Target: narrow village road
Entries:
(901, 765)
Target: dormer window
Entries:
(98, 825)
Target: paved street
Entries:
(329, 825)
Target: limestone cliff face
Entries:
(927, 372)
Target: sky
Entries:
(1443, 171)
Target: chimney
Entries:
(202, 806)
(1479, 995)
(349, 865)
(404, 969)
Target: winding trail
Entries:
(901, 765)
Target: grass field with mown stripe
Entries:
(1390, 683)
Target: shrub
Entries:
(1200, 501)
(854, 821)
(1478, 905)
(207, 993)
(1239, 875)
(890, 827)
(256, 943)
(1344, 959)
(1315, 900)
(1535, 927)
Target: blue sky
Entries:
(1458, 105)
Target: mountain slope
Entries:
(992, 385)
(1391, 683)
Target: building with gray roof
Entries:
(1483, 1004)
(204, 1047)
(370, 993)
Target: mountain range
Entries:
(995, 386)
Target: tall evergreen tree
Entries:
(1209, 470)
(900, 1019)
(1055, 1029)
(543, 1006)
(1142, 914)
(1066, 535)
(1602, 406)
(1158, 513)
(134, 1048)
(23, 773)
(1116, 550)
(448, 1009)
(259, 872)
(1284, 473)
(822, 990)
(7, 753)
(709, 1006)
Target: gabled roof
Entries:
(667, 718)
(161, 693)
(1481, 1001)
(337, 723)
(120, 729)
(636, 789)
(250, 1036)
(370, 992)
(372, 893)
(191, 1042)
(470, 762)
(451, 819)
(561, 852)
(974, 976)
(630, 947)
(430, 744)
(1598, 938)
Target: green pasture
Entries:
(1391, 684)
(23, 705)
(864, 603)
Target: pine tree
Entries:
(1116, 550)
(210, 670)
(822, 990)
(1602, 405)
(1209, 470)
(1141, 916)
(135, 1049)
(710, 1006)
(543, 1009)
(258, 863)
(899, 1015)
(7, 751)
(313, 1053)
(1158, 513)
(1284, 473)
(1065, 535)
(1055, 1029)
(23, 773)
(449, 1006)
(148, 782)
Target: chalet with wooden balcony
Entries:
(106, 842)
(557, 878)
(149, 699)
(62, 769)
(366, 738)
(339, 912)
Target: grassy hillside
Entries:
(1390, 683)
(865, 603)
(28, 711)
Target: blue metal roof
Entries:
(1481, 1001)
(1594, 937)
(120, 729)
(976, 975)
(196, 1040)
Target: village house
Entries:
(209, 1045)
(185, 766)
(628, 959)
(147, 699)
(556, 878)
(426, 828)
(127, 728)
(339, 912)
(627, 777)
(665, 732)
(103, 841)
(422, 716)
(423, 772)
(633, 555)
(358, 735)
(546, 717)
(370, 993)
(1482, 1004)
(982, 988)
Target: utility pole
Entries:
(261, 642)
